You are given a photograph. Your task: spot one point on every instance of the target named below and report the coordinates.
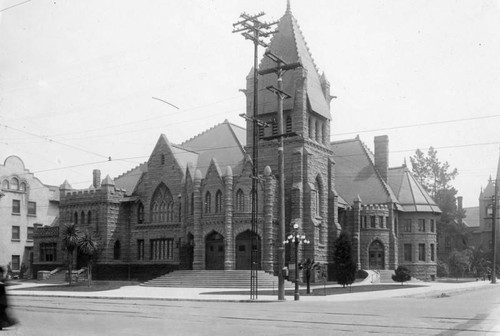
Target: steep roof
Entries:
(225, 142)
(289, 44)
(355, 174)
(128, 181)
(471, 217)
(411, 195)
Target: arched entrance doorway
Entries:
(214, 251)
(376, 255)
(244, 246)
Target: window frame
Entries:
(16, 205)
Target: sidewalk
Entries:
(423, 289)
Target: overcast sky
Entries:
(77, 78)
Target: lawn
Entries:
(82, 286)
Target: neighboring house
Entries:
(25, 203)
(189, 206)
(482, 231)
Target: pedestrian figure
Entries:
(5, 320)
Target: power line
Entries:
(52, 140)
(10, 7)
(419, 124)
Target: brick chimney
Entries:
(382, 155)
(97, 178)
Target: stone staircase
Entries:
(214, 279)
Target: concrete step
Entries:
(214, 279)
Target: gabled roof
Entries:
(128, 181)
(225, 142)
(355, 174)
(471, 217)
(411, 195)
(289, 44)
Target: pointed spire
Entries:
(288, 7)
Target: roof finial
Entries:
(288, 7)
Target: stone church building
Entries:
(189, 206)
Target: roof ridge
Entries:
(385, 184)
(343, 141)
(294, 20)
(131, 169)
(200, 134)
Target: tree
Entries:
(401, 274)
(459, 262)
(435, 177)
(89, 247)
(478, 261)
(70, 237)
(432, 174)
(345, 265)
(308, 266)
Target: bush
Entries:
(401, 274)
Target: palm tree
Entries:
(70, 237)
(88, 246)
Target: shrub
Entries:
(401, 274)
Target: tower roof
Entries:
(289, 44)
(411, 195)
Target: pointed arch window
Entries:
(161, 198)
(240, 201)
(208, 202)
(318, 131)
(311, 130)
(82, 218)
(117, 250)
(22, 186)
(218, 201)
(163, 159)
(170, 212)
(325, 136)
(140, 213)
(192, 203)
(75, 218)
(89, 217)
(5, 184)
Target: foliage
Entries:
(459, 262)
(345, 265)
(88, 245)
(401, 274)
(478, 261)
(70, 238)
(443, 270)
(308, 266)
(432, 174)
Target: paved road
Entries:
(470, 313)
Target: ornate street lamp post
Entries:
(296, 238)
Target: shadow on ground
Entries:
(321, 291)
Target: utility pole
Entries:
(493, 233)
(279, 70)
(255, 30)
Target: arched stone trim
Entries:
(384, 245)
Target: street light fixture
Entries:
(296, 238)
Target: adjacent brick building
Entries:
(189, 205)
